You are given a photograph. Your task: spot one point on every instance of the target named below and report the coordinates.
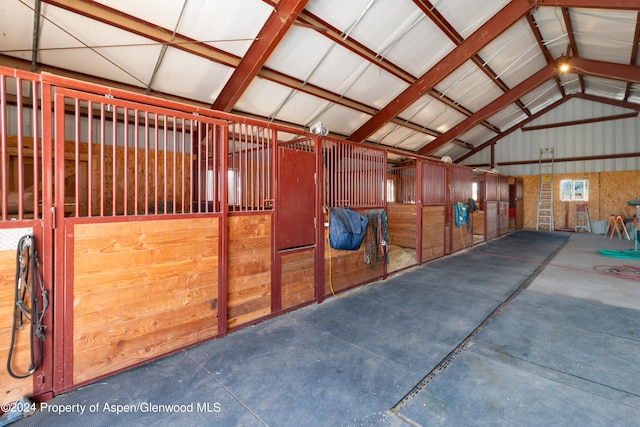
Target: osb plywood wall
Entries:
(608, 194)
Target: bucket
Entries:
(598, 227)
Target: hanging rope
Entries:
(26, 305)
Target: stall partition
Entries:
(25, 177)
(503, 205)
(433, 189)
(159, 225)
(402, 216)
(491, 206)
(478, 217)
(460, 223)
(354, 178)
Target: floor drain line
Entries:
(466, 343)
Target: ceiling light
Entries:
(319, 129)
(563, 64)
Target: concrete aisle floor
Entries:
(517, 331)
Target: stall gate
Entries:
(126, 197)
(162, 219)
(140, 234)
(25, 203)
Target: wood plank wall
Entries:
(432, 232)
(401, 224)
(248, 268)
(297, 277)
(519, 214)
(141, 289)
(12, 389)
(346, 269)
(478, 223)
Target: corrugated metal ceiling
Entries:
(433, 77)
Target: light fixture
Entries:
(446, 159)
(319, 129)
(563, 64)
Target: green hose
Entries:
(628, 254)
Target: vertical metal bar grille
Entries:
(249, 167)
(353, 176)
(20, 153)
(433, 183)
(124, 158)
(404, 179)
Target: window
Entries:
(574, 190)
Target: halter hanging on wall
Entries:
(29, 290)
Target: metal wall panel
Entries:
(586, 140)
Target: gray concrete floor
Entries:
(518, 331)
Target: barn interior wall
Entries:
(608, 194)
(591, 140)
(209, 250)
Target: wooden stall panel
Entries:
(248, 268)
(432, 232)
(140, 290)
(11, 389)
(478, 224)
(347, 269)
(297, 277)
(401, 224)
(401, 229)
(519, 214)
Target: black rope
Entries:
(26, 305)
